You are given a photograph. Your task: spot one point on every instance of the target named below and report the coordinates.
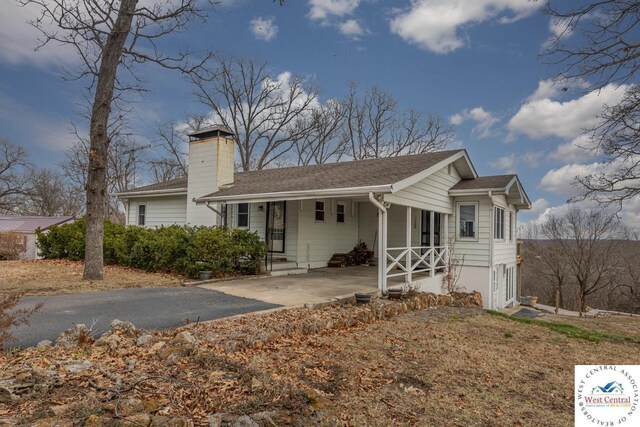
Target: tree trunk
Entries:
(97, 195)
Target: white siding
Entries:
(476, 253)
(160, 211)
(257, 223)
(318, 241)
(505, 250)
(432, 193)
(368, 225)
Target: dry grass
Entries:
(50, 277)
(441, 366)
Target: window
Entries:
(467, 218)
(340, 212)
(243, 215)
(142, 212)
(510, 226)
(498, 223)
(320, 211)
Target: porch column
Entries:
(445, 237)
(408, 260)
(382, 251)
(432, 240)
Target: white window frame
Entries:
(144, 215)
(495, 223)
(323, 210)
(476, 221)
(238, 213)
(344, 213)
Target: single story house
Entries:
(18, 233)
(414, 211)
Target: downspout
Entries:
(492, 305)
(382, 246)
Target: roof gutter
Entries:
(151, 193)
(296, 195)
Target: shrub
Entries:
(172, 249)
(12, 245)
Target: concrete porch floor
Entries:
(316, 286)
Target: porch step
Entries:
(282, 265)
(288, 272)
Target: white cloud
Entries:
(263, 28)
(485, 120)
(351, 28)
(532, 158)
(18, 38)
(434, 24)
(323, 9)
(544, 117)
(562, 180)
(505, 163)
(576, 150)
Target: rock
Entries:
(130, 406)
(78, 366)
(59, 409)
(144, 339)
(215, 420)
(95, 421)
(113, 341)
(185, 337)
(245, 421)
(124, 327)
(52, 422)
(139, 420)
(157, 346)
(165, 421)
(72, 337)
(43, 345)
(6, 395)
(264, 418)
(256, 384)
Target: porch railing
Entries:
(406, 261)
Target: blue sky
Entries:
(476, 63)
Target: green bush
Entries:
(172, 249)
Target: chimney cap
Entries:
(215, 130)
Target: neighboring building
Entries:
(20, 231)
(402, 207)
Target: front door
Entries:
(276, 220)
(425, 236)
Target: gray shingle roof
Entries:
(361, 173)
(174, 184)
(483, 182)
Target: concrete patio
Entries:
(316, 286)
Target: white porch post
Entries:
(445, 236)
(382, 255)
(432, 242)
(408, 237)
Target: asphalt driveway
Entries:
(149, 308)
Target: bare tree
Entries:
(123, 167)
(263, 110)
(375, 127)
(321, 143)
(111, 36)
(589, 243)
(604, 48)
(173, 163)
(13, 184)
(50, 194)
